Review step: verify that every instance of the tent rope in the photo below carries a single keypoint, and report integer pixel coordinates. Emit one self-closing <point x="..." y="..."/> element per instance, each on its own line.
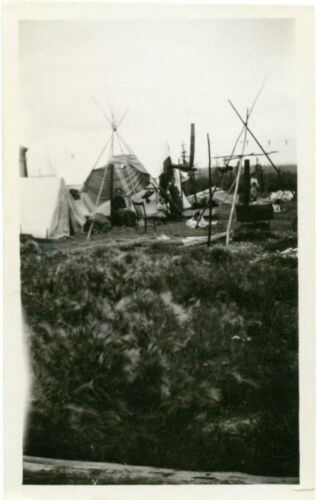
<point x="120" y="144"/>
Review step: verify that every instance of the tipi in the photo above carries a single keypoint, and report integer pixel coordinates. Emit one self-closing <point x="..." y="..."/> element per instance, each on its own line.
<point x="122" y="170"/>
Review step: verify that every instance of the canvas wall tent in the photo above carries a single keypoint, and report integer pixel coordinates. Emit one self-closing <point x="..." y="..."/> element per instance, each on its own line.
<point x="47" y="209"/>
<point x="121" y="171"/>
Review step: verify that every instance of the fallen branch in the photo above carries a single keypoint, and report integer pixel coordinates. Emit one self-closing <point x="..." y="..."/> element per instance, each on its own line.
<point x="200" y="240"/>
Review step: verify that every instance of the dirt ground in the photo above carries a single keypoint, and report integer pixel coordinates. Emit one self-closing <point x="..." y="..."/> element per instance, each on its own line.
<point x="283" y="222"/>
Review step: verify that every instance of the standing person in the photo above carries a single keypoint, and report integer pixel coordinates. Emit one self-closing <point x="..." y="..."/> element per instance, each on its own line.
<point x="254" y="192"/>
<point x="176" y="201"/>
<point x="163" y="183"/>
<point x="120" y="214"/>
<point x="165" y="177"/>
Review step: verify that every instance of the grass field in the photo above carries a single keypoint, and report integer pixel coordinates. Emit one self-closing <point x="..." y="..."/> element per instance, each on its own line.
<point x="164" y="355"/>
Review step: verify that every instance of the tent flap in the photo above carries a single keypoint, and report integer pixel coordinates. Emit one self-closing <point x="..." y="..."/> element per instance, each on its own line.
<point x="46" y="208"/>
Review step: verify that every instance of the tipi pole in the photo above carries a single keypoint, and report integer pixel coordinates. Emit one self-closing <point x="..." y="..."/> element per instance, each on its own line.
<point x="121" y="119"/>
<point x="112" y="145"/>
<point x="229" y="191"/>
<point x="129" y="149"/>
<point x="260" y="146"/>
<point x="236" y="186"/>
<point x="216" y="184"/>
<point x="210" y="192"/>
<point x="191" y="160"/>
<point x="120" y="140"/>
<point x="130" y="179"/>
<point x="111" y="187"/>
<point x="204" y="207"/>
<point x="243" y="128"/>
<point x="99" y="194"/>
<point x="102" y="111"/>
<point x="120" y="144"/>
<point x="101" y="153"/>
<point x="235" y="145"/>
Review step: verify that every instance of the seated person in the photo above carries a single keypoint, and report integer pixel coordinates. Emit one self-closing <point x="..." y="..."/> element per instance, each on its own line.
<point x="254" y="193"/>
<point x="120" y="214"/>
<point x="100" y="222"/>
<point x="161" y="209"/>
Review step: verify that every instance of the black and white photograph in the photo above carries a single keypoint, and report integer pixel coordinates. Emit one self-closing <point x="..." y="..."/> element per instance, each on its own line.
<point x="158" y="195"/>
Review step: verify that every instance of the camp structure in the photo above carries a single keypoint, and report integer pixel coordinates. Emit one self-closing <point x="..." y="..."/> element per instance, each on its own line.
<point x="23" y="161"/>
<point x="47" y="209"/>
<point x="169" y="172"/>
<point x="122" y="171"/>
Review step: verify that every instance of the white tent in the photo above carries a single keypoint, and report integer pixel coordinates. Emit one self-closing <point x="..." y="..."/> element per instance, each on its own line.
<point x="47" y="209"/>
<point x="281" y="195"/>
<point x="185" y="202"/>
<point x="219" y="196"/>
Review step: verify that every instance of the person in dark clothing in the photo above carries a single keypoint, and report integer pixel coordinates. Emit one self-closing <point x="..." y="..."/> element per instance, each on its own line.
<point x="176" y="201"/>
<point x="118" y="200"/>
<point x="120" y="214"/>
<point x="163" y="183"/>
<point x="165" y="178"/>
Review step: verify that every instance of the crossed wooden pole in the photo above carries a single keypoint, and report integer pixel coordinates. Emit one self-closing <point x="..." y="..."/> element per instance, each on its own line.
<point x="247" y="128"/>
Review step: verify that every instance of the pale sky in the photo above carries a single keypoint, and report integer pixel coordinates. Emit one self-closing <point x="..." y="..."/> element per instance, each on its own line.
<point x="169" y="74"/>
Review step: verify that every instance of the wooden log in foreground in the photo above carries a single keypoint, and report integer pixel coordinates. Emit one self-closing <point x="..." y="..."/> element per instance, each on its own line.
<point x="201" y="240"/>
<point x="38" y="470"/>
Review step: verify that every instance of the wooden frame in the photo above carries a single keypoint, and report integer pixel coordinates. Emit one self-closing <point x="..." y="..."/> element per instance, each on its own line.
<point x="141" y="213"/>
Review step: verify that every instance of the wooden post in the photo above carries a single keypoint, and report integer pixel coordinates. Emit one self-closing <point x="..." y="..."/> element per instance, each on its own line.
<point x="192" y="144"/>
<point x="191" y="161"/>
<point x="102" y="184"/>
<point x="111" y="187"/>
<point x="23" y="162"/>
<point x="210" y="192"/>
<point x="247" y="183"/>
